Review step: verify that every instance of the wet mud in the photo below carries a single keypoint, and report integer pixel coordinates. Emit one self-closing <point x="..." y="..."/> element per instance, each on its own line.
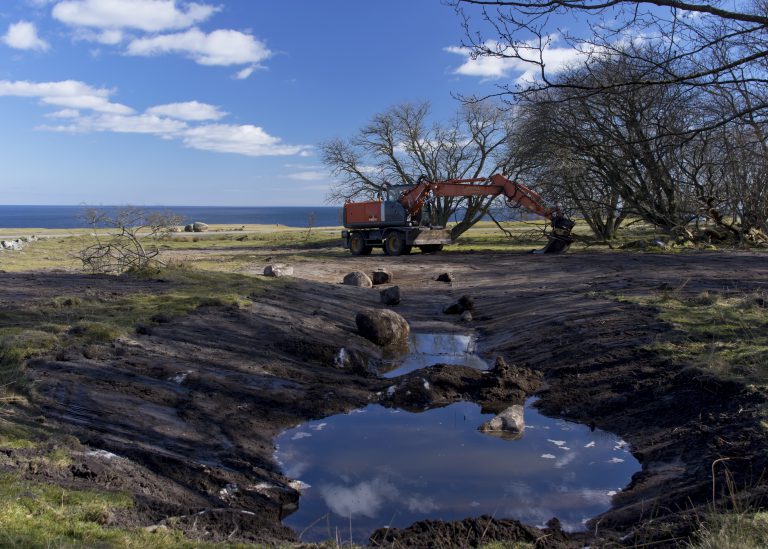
<point x="183" y="416"/>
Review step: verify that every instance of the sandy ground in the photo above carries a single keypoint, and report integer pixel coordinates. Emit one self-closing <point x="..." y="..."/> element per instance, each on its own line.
<point x="190" y="408"/>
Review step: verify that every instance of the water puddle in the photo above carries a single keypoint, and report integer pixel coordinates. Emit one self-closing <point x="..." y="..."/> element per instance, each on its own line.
<point x="429" y="349"/>
<point x="378" y="467"/>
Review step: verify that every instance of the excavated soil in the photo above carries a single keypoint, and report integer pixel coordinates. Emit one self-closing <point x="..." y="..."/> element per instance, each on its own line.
<point x="183" y="416"/>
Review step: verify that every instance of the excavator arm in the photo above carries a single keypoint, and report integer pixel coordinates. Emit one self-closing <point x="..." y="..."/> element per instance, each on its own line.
<point x="497" y="185"/>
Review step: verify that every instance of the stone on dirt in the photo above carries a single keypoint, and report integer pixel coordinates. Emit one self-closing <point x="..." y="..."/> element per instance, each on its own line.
<point x="446" y="277"/>
<point x="465" y="303"/>
<point x="381" y="276"/>
<point x="199" y="227"/>
<point x="509" y="423"/>
<point x="358" y="278"/>
<point x="390" y="296"/>
<point x="277" y="270"/>
<point x="382" y="327"/>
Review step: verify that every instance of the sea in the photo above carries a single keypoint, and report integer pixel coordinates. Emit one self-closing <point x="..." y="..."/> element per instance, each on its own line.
<point x="70" y="217"/>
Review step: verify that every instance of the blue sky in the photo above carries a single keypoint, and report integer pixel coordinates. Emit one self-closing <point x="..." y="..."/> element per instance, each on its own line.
<point x="211" y="102"/>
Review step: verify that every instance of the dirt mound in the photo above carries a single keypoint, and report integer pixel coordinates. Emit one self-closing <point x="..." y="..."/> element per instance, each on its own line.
<point x="474" y="533"/>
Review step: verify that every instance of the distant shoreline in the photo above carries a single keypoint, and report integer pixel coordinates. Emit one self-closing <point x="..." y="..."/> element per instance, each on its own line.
<point x="68" y="217"/>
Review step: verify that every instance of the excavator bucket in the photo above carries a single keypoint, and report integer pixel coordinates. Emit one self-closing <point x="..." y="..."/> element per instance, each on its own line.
<point x="556" y="245"/>
<point x="560" y="238"/>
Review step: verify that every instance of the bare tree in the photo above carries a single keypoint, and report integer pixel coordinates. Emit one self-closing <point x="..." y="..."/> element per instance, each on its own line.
<point x="402" y="144"/>
<point x="701" y="42"/>
<point x="127" y="244"/>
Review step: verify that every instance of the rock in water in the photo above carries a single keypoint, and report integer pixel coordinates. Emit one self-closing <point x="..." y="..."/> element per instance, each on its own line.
<point x="199" y="227"/>
<point x="508" y="424"/>
<point x="390" y="296"/>
<point x="358" y="278"/>
<point x="381" y="276"/>
<point x="383" y="327"/>
<point x="445" y="277"/>
<point x="277" y="270"/>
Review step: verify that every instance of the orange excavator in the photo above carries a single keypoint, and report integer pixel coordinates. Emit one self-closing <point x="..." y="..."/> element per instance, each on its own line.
<point x="401" y="220"/>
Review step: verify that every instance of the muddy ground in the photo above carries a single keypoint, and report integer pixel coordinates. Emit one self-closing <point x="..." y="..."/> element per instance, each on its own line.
<point x="186" y="412"/>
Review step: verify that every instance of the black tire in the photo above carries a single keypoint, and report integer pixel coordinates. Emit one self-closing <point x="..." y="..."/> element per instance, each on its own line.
<point x="431" y="248"/>
<point x="394" y="243"/>
<point x="357" y="245"/>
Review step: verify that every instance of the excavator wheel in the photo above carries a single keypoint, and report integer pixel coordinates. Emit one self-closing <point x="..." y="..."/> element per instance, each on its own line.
<point x="394" y="243"/>
<point x="357" y="245"/>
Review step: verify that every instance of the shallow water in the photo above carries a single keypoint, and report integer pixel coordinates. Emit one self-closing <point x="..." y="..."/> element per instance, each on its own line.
<point x="428" y="349"/>
<point x="378" y="467"/>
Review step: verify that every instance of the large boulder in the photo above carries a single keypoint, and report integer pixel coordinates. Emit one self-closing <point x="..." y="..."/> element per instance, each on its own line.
<point x="199" y="227"/>
<point x="188" y="228"/>
<point x="383" y="327"/>
<point x="358" y="278"/>
<point x="277" y="270"/>
<point x="508" y="424"/>
<point x="390" y="296"/>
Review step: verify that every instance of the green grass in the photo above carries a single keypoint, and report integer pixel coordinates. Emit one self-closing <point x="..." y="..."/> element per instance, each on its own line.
<point x="733" y="531"/>
<point x="34" y="515"/>
<point x="726" y="334"/>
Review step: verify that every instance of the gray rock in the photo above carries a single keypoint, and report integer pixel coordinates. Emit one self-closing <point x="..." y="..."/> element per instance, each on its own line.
<point x="381" y="276"/>
<point x="390" y="296"/>
<point x="446" y="277"/>
<point x="466" y="316"/>
<point x="508" y="424"/>
<point x="660" y="244"/>
<point x="199" y="227"/>
<point x="383" y="327"/>
<point x="277" y="270"/>
<point x="465" y="303"/>
<point x="358" y="278"/>
<point x="188" y="228"/>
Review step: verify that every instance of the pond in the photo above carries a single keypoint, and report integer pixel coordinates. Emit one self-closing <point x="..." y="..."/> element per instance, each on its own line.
<point x="426" y="349"/>
<point x="378" y="467"/>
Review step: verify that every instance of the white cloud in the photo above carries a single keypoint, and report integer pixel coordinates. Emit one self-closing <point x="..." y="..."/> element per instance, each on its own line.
<point x="310" y="175"/>
<point x="220" y="47"/>
<point x="142" y="123"/>
<point x="495" y="67"/>
<point x="169" y="121"/>
<point x="110" y="37"/>
<point x="244" y="139"/>
<point x="245" y="73"/>
<point x="67" y="93"/>
<point x="23" y="36"/>
<point x="189" y="110"/>
<point x="145" y="15"/>
<point x="64" y="113"/>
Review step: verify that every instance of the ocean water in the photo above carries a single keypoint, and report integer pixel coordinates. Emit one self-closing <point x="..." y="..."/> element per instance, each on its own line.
<point x="69" y="217"/>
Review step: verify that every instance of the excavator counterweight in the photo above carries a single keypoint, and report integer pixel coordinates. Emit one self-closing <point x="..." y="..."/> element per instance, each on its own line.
<point x="402" y="221"/>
